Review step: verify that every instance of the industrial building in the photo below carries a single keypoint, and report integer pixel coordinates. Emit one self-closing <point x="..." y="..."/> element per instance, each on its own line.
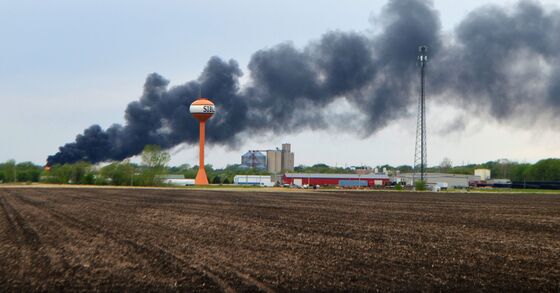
<point x="276" y="161"/>
<point x="254" y="160"/>
<point x="452" y="180"/>
<point x="253" y="180"/>
<point x="310" y="179"/>
<point x="483" y="173"/>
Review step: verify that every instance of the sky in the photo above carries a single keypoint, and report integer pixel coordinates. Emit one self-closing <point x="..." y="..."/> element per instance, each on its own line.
<point x="65" y="65"/>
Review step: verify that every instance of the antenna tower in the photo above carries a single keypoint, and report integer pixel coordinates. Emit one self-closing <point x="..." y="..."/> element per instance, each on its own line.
<point x="420" y="148"/>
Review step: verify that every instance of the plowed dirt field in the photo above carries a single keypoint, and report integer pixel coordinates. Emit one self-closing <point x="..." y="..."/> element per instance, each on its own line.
<point x="81" y="239"/>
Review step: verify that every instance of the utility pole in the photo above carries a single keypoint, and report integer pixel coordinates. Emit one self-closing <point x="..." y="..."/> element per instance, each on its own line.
<point x="420" y="152"/>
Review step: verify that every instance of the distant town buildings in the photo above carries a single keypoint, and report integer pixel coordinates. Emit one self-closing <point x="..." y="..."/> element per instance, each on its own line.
<point x="275" y="161"/>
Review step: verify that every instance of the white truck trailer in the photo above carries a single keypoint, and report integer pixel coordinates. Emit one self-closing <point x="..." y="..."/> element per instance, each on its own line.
<point x="253" y="180"/>
<point x="179" y="182"/>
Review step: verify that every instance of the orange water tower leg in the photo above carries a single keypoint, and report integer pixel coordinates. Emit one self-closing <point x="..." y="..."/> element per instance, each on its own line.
<point x="201" y="178"/>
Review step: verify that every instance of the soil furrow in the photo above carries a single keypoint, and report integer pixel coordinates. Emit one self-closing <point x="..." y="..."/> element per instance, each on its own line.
<point x="173" y="240"/>
<point x="212" y="269"/>
<point x="160" y="258"/>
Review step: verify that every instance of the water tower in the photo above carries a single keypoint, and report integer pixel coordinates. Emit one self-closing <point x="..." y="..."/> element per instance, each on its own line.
<point x="202" y="109"/>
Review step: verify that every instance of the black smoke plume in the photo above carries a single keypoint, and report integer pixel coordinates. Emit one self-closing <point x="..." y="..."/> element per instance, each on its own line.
<point x="500" y="62"/>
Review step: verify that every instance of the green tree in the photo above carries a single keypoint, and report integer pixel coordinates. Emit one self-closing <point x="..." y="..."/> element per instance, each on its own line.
<point x="77" y="173"/>
<point x="501" y="168"/>
<point x="420" y="185"/>
<point x="520" y="172"/>
<point x="61" y="174"/>
<point x="81" y="173"/>
<point x="544" y="170"/>
<point x="216" y="180"/>
<point x="118" y="173"/>
<point x="405" y="169"/>
<point x="322" y="168"/>
<point x="155" y="160"/>
<point x="190" y="173"/>
<point x="28" y="172"/>
<point x="445" y="165"/>
<point x="10" y="171"/>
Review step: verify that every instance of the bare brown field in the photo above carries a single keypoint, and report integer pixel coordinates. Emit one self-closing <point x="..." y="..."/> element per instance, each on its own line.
<point x="65" y="239"/>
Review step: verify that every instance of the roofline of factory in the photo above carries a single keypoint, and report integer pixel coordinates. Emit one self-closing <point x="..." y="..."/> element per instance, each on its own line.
<point x="450" y="175"/>
<point x="336" y="176"/>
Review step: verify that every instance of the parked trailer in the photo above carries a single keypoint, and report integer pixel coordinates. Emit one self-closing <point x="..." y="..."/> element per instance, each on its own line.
<point x="443" y="185"/>
<point x="179" y="182"/>
<point x="253" y="180"/>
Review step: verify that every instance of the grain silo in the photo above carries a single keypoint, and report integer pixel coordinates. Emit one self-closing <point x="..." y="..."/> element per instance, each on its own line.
<point x="254" y="160"/>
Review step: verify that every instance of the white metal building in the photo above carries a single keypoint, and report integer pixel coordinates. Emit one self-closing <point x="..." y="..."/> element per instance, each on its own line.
<point x="255" y="180"/>
<point x="452" y="180"/>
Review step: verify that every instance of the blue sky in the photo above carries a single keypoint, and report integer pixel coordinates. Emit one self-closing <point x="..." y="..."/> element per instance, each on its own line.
<point x="65" y="65"/>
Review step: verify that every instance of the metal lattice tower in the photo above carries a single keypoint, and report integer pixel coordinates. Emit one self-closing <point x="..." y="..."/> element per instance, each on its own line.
<point x="420" y="147"/>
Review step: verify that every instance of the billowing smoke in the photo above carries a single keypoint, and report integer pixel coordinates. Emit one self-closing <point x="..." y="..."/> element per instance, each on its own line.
<point x="504" y="62"/>
<point x="500" y="62"/>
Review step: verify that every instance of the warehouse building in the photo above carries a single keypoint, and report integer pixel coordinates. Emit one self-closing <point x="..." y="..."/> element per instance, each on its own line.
<point x="452" y="180"/>
<point x="309" y="179"/>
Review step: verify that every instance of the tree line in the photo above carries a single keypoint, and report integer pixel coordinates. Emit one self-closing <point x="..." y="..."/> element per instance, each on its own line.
<point x="543" y="170"/>
<point x="154" y="164"/>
